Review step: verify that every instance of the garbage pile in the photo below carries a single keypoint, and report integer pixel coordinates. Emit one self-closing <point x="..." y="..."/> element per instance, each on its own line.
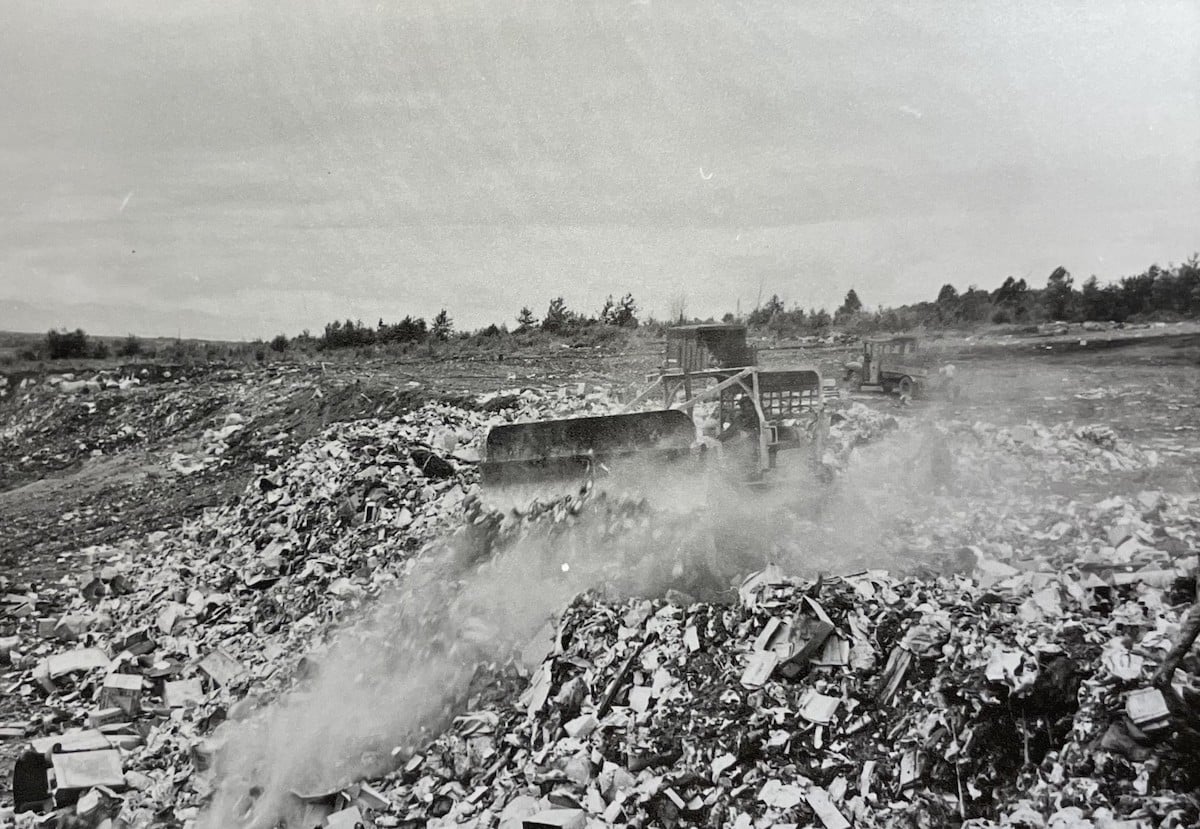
<point x="521" y="404"/>
<point x="56" y="423"/>
<point x="853" y="424"/>
<point x="150" y="457"/>
<point x="236" y="588"/>
<point x="1011" y="683"/>
<point x="311" y="539"/>
<point x="1094" y="446"/>
<point x="57" y="430"/>
<point x="866" y="700"/>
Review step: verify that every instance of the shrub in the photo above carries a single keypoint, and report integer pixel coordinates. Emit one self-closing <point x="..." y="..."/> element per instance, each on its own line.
<point x="593" y="335"/>
<point x="557" y="316"/>
<point x="131" y="347"/>
<point x="65" y="345"/>
<point x="280" y="343"/>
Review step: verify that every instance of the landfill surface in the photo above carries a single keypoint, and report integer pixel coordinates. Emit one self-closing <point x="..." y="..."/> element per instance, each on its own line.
<point x="960" y="622"/>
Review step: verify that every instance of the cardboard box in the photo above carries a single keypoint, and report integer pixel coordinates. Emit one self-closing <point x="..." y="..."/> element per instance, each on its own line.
<point x="818" y="708"/>
<point x="808" y="640"/>
<point x="122" y="691"/>
<point x="70" y="627"/>
<point x="759" y="669"/>
<point x="82" y="770"/>
<point x="221" y="668"/>
<point x="1148" y="709"/>
<point x="775" y="636"/>
<point x="137" y="643"/>
<point x="105" y="716"/>
<point x="183" y="694"/>
<point x="80" y="659"/>
<point x="89" y="740"/>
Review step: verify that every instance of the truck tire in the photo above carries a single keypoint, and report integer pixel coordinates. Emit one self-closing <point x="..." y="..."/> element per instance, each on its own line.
<point x="854" y="381"/>
<point x="906" y="386"/>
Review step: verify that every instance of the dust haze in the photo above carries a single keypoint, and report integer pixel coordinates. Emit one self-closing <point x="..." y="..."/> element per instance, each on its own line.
<point x="394" y="678"/>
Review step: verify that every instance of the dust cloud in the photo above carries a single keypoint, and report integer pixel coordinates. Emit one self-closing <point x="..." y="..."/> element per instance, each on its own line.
<point x="394" y="678"/>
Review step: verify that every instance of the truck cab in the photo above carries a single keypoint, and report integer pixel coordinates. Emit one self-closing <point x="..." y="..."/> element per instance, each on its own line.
<point x="890" y="363"/>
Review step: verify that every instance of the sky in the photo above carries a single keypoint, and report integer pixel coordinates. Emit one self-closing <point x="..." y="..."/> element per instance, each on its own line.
<point x="238" y="169"/>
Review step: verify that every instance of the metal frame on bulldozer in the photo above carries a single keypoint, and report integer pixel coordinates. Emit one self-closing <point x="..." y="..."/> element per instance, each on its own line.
<point x="673" y="382"/>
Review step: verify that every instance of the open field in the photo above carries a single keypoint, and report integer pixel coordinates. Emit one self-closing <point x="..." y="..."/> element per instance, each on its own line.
<point x="164" y="481"/>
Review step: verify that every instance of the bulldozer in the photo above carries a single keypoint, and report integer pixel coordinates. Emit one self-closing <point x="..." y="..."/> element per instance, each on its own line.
<point x="708" y="373"/>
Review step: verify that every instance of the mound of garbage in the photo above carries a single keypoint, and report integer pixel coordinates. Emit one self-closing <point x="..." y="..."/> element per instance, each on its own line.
<point x="55" y="421"/>
<point x="864" y="700"/>
<point x="1093" y="446"/>
<point x="359" y="640"/>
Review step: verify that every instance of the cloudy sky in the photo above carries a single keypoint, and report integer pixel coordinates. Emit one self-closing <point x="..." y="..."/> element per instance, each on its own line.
<point x="236" y="169"/>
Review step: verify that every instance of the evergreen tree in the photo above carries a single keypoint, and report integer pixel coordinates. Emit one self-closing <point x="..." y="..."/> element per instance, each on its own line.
<point x="526" y="320"/>
<point x="443" y="326"/>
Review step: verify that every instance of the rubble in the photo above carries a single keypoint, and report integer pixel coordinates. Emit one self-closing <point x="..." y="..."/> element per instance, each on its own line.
<point x="1006" y="678"/>
<point x="943" y="746"/>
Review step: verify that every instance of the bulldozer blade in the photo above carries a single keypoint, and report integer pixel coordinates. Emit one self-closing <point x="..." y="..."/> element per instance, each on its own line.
<point x="568" y="452"/>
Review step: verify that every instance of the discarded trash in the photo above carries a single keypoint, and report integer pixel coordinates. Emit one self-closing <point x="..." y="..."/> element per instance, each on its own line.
<point x="80" y="770"/>
<point x="977" y="679"/>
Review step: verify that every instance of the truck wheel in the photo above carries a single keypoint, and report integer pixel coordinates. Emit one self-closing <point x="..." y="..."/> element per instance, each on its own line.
<point x="854" y="381"/>
<point x="906" y="386"/>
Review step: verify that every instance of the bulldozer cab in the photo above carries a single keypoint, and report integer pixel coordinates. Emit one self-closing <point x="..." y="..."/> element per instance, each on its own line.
<point x="693" y="348"/>
<point x="788" y="402"/>
<point x="781" y="394"/>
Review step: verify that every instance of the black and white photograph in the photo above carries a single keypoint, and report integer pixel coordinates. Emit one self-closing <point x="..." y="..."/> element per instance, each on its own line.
<point x="519" y="414"/>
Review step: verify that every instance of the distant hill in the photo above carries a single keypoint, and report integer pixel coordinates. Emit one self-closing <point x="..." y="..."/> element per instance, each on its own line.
<point x="119" y="320"/>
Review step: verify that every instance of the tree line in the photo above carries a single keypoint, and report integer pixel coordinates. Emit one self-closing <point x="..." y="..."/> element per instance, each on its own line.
<point x="558" y="319"/>
<point x="1155" y="293"/>
<point x="352" y="334"/>
<point x="68" y="345"/>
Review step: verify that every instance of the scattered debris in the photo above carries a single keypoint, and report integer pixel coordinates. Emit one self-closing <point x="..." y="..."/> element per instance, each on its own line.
<point x="1007" y="678"/>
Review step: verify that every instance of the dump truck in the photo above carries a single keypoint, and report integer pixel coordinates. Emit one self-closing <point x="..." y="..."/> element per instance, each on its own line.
<point x="700" y="387"/>
<point x="889" y="363"/>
